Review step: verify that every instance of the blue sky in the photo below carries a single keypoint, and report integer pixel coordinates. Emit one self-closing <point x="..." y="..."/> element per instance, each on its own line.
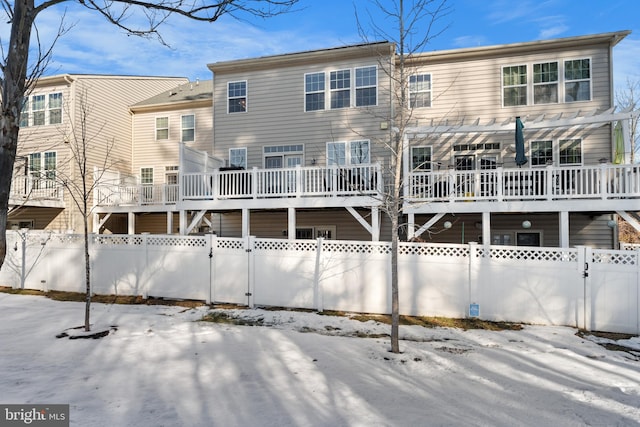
<point x="94" y="46"/>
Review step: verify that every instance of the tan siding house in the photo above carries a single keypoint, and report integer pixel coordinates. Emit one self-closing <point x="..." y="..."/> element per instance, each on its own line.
<point x="52" y="119"/>
<point x="297" y="146"/>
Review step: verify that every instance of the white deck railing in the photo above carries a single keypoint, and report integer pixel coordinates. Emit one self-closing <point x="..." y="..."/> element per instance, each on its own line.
<point x="353" y="180"/>
<point x="547" y="183"/>
<point x="29" y="188"/>
<point x="141" y="194"/>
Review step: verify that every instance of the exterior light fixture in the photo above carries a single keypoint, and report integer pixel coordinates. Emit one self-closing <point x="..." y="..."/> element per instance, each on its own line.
<point x="526" y="224"/>
<point x="447" y="224"/>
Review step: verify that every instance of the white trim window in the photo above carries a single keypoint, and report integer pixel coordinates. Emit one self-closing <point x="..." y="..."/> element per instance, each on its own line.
<point x="545" y="83"/>
<point x="38" y="110"/>
<point x="188" y="128"/>
<point x="514" y="85"/>
<point x="570" y="152"/>
<point x="55" y="108"/>
<point x="366" y="86"/>
<point x="41" y="110"/>
<point x="162" y="128"/>
<point x="577" y="80"/>
<point x="420" y="91"/>
<point x="238" y="157"/>
<point x="357" y="153"/>
<point x="146" y="176"/>
<point x="340" y="88"/>
<point x="541" y="153"/>
<point x="421" y="158"/>
<point x="237" y="97"/>
<point x="42" y="169"/>
<point x="283" y="156"/>
<point x="314" y="91"/>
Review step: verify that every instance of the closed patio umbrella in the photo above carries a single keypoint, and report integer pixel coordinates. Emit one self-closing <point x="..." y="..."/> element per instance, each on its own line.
<point x="521" y="159"/>
<point x="618" y="140"/>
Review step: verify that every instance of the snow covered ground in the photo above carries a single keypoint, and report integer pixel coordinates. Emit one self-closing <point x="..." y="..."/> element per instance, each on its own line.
<point x="163" y="367"/>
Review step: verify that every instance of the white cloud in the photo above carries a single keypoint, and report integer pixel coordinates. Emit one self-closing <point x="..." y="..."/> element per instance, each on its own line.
<point x="626" y="62"/>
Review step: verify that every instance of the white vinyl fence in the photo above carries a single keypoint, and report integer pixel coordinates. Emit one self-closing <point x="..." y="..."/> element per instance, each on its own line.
<point x="582" y="287"/>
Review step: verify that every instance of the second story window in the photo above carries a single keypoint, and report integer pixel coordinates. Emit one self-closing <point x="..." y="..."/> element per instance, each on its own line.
<point x="42" y="169"/>
<point x="188" y="128"/>
<point x="420" y="158"/>
<point x="420" y="91"/>
<point x="314" y="91"/>
<point x="40" y="110"/>
<point x="366" y="86"/>
<point x="340" y="85"/>
<point x="55" y="108"/>
<point x="514" y="85"/>
<point x="37" y="109"/>
<point x="162" y="128"/>
<point x="541" y="153"/>
<point x="237" y="97"/>
<point x="577" y="80"/>
<point x="238" y="157"/>
<point x="545" y="83"/>
<point x="570" y="152"/>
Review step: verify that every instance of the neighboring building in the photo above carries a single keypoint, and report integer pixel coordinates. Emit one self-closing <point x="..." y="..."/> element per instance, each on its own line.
<point x="296" y="146"/>
<point x="179" y="115"/>
<point x="51" y="118"/>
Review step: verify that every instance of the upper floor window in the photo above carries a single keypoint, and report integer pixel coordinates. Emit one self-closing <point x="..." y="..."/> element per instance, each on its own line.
<point x="238" y="157"/>
<point x="420" y="91"/>
<point x="570" y="152"/>
<point x="514" y="85"/>
<point x="366" y="86"/>
<point x="348" y="153"/>
<point x="42" y="169"/>
<point x="314" y="92"/>
<point x="340" y="84"/>
<point x="188" y="128"/>
<point x="541" y="153"/>
<point x="146" y="176"/>
<point x="40" y="110"/>
<point x="37" y="109"/>
<point x="577" y="80"/>
<point x="237" y="97"/>
<point x="55" y="108"/>
<point x="347" y="88"/>
<point x="545" y="83"/>
<point x="162" y="128"/>
<point x="281" y="156"/>
<point x="421" y="158"/>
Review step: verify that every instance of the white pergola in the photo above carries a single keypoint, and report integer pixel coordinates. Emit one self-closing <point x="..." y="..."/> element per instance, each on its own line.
<point x="559" y="121"/>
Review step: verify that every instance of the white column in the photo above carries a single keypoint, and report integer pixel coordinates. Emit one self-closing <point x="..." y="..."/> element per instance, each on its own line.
<point x="411" y="225"/>
<point x="375" y="224"/>
<point x="246" y="217"/>
<point x="486" y="228"/>
<point x="131" y="221"/>
<point x="291" y="227"/>
<point x="169" y="222"/>
<point x="563" y="229"/>
<point x="183" y="222"/>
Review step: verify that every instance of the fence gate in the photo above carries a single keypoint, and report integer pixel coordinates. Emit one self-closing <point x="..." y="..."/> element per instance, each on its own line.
<point x="231" y="270"/>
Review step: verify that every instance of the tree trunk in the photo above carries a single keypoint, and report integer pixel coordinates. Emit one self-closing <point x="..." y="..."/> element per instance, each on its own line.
<point x="13" y="89"/>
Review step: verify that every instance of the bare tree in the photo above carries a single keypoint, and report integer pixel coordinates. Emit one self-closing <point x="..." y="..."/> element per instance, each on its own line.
<point x="416" y="24"/>
<point x="18" y="73"/>
<point x="80" y="178"/>
<point x="628" y="98"/>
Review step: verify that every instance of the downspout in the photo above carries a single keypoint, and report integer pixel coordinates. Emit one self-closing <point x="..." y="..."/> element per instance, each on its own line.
<point x="72" y="119"/>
